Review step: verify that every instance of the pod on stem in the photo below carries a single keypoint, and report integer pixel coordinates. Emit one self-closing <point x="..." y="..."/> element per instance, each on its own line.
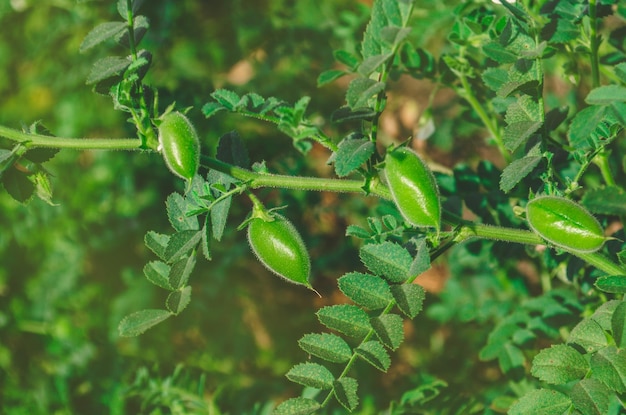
<point x="179" y="145"/>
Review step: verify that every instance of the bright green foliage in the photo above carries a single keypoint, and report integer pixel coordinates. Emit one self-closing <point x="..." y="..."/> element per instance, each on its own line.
<point x="559" y="364"/>
<point x="326" y="346"/>
<point x="297" y="406"/>
<point x="387" y="260"/>
<point x="366" y="290"/>
<point x="180" y="145"/>
<point x="311" y="374"/>
<point x="541" y="402"/>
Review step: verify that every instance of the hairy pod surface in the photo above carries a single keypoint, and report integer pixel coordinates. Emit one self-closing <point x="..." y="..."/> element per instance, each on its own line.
<point x="413" y="188"/>
<point x="279" y="247"/>
<point x="179" y="145"/>
<point x="565" y="224"/>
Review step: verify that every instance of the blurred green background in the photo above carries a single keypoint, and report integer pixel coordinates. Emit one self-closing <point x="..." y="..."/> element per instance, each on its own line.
<point x="70" y="272"/>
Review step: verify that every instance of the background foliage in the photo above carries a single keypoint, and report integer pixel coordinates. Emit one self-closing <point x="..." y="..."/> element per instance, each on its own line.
<point x="71" y="271"/>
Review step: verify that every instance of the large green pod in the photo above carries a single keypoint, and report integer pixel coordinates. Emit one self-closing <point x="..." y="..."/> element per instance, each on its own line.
<point x="279" y="247"/>
<point x="565" y="224"/>
<point x="179" y="144"/>
<point x="413" y="188"/>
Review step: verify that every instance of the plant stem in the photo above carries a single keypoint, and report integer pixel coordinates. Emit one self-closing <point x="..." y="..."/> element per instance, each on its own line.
<point x="38" y="140"/>
<point x="594" y="44"/>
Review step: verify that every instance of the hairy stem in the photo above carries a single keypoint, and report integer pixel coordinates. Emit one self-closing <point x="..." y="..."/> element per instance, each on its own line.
<point x="38" y="140"/>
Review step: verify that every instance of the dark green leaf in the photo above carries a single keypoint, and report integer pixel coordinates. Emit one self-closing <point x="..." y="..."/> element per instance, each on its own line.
<point x="366" y="290"/>
<point x="347" y="114"/>
<point x="374" y="353"/>
<point x="357" y="232"/>
<point x="388" y="260"/>
<point x="603" y="314"/>
<point x="297" y="406"/>
<point x="211" y="108"/>
<point x="177" y="214"/>
<point x="345" y="318"/>
<point x="607" y="94"/>
<point x="510" y="358"/>
<point x="313" y="375"/>
<point x="609" y="367"/>
<point x="495" y="78"/>
<point x="589" y="335"/>
<point x="101" y="33"/>
<point x="541" y="402"/>
<point x="327" y="346"/>
<point x="524" y="119"/>
<point x="136" y="323"/>
<point x="106" y="68"/>
<point x="618" y="324"/>
<point x="180" y="244"/>
<point x="559" y="364"/>
<point x="180" y="271"/>
<point x="345" y="389"/>
<point x="421" y="262"/>
<point x="610" y="200"/>
<point x="229" y="99"/>
<point x="157" y="273"/>
<point x="584" y="124"/>
<point x="206" y="238"/>
<point x="122" y="7"/>
<point x="351" y="154"/>
<point x="590" y="396"/>
<point x="178" y="300"/>
<point x="409" y="298"/>
<point x="347" y="58"/>
<point x="389" y="329"/>
<point x="17" y="185"/>
<point x="329" y="76"/>
<point x="372" y="63"/>
<point x="232" y="150"/>
<point x="517" y="170"/>
<point x="360" y="90"/>
<point x="157" y="243"/>
<point x="499" y="53"/>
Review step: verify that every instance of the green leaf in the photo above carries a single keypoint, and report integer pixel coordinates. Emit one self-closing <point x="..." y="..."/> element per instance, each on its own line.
<point x="388" y="260"/>
<point x="17" y="185"/>
<point x="499" y="53"/>
<point x="495" y="78"/>
<point x="180" y="271"/>
<point x="329" y="76"/>
<point x="510" y="358"/>
<point x="589" y="335"/>
<point x="313" y="375"/>
<point x="347" y="58"/>
<point x="357" y="232"/>
<point x="559" y="364"/>
<point x="610" y="200"/>
<point x="327" y="346"/>
<point x="138" y="322"/>
<point x="180" y="244"/>
<point x="347" y="114"/>
<point x="157" y="273"/>
<point x="345" y="318"/>
<point x="177" y="214"/>
<point x="394" y="35"/>
<point x="211" y="108"/>
<point x="618" y="324"/>
<point x="229" y="99"/>
<point x="366" y="290"/>
<point x="178" y="300"/>
<point x="106" y="68"/>
<point x="297" y="406"/>
<point x="409" y="298"/>
<point x="418" y="59"/>
<point x="360" y="90"/>
<point x="374" y="353"/>
<point x="157" y="243"/>
<point x="389" y="329"/>
<point x="607" y="94"/>
<point x="141" y="24"/>
<point x="232" y="150"/>
<point x="517" y="170"/>
<point x="584" y="124"/>
<point x="541" y="402"/>
<point x="421" y="262"/>
<point x="345" y="389"/>
<point x="524" y="119"/>
<point x="206" y="238"/>
<point x="101" y="33"/>
<point x="603" y="314"/>
<point x="609" y="367"/>
<point x="122" y="7"/>
<point x="612" y="284"/>
<point x="590" y="396"/>
<point x="372" y="63"/>
<point x="351" y="154"/>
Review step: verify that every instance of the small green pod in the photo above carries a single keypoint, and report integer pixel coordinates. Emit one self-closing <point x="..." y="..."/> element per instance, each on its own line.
<point x="179" y="145"/>
<point x="413" y="188"/>
<point x="565" y="224"/>
<point x="279" y="247"/>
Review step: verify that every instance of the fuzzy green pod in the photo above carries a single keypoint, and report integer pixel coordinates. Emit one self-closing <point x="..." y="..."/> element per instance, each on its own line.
<point x="413" y="188"/>
<point x="565" y="224"/>
<point x="279" y="247"/>
<point x="179" y="145"/>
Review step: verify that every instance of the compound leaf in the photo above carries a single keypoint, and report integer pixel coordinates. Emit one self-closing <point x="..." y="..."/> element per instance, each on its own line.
<point x="345" y="318"/>
<point x="366" y="290"/>
<point x="313" y="375"/>
<point x="327" y="346"/>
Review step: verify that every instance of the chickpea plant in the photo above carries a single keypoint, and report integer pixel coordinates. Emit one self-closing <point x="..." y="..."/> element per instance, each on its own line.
<point x="497" y="62"/>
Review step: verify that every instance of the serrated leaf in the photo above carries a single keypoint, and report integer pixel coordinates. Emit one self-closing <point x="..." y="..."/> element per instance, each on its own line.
<point x="211" y="108"/>
<point x="310" y="374"/>
<point x="500" y="54"/>
<point x="329" y="76"/>
<point x="177" y="214"/>
<point x="372" y="63"/>
<point x="510" y="358"/>
<point x="559" y="364"/>
<point x="345" y="390"/>
<point x="606" y="94"/>
<point x="584" y="124"/>
<point x="409" y="298"/>
<point x="122" y="7"/>
<point x="360" y="90"/>
<point x="347" y="114"/>
<point x="297" y="406"/>
<point x="180" y="244"/>
<point x="157" y="273"/>
<point x="603" y="314"/>
<point x="612" y="284"/>
<point x="106" y="68"/>
<point x="366" y="290"/>
<point x="180" y="271"/>
<point x="17" y="185"/>
<point x="206" y="238"/>
<point x="495" y="78"/>
<point x="618" y="324"/>
<point x="345" y="318"/>
<point x="609" y="367"/>
<point x="389" y="329"/>
<point x="516" y="171"/>
<point x="347" y="58"/>
<point x="610" y="200"/>
<point x="352" y="153"/>
<point x="157" y="243"/>
<point x="178" y="300"/>
<point x="541" y="402"/>
<point x="524" y="118"/>
<point x="374" y="353"/>
<point x="388" y="260"/>
<point x="138" y="322"/>
<point x="357" y="232"/>
<point x="327" y="346"/>
<point x="589" y="335"/>
<point x="141" y="24"/>
<point x="421" y="261"/>
<point x="229" y="99"/>
<point x="101" y="33"/>
<point x="591" y="397"/>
